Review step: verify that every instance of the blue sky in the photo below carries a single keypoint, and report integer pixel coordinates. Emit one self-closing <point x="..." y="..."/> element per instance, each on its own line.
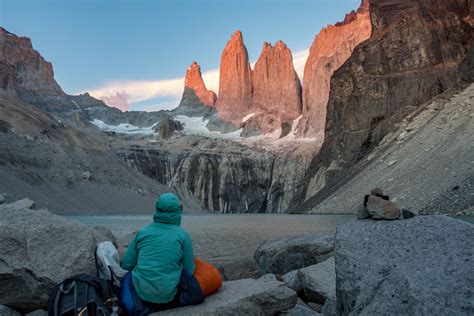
<point x="141" y="49"/>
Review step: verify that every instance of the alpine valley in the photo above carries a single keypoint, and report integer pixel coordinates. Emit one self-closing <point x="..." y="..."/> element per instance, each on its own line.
<point x="386" y="100"/>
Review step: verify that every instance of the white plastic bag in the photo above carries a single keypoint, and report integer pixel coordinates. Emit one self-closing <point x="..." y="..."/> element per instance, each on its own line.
<point x="108" y="266"/>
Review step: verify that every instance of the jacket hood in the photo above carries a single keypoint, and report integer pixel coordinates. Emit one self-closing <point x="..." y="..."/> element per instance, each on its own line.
<point x="168" y="210"/>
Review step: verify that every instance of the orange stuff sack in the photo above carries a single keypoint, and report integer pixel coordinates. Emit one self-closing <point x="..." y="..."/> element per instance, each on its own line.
<point x="208" y="276"/>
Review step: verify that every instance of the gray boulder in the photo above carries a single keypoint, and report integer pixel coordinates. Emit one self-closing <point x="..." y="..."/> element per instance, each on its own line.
<point x="289" y="253"/>
<point x="6" y="311"/>
<point x="243" y="297"/>
<point x="2" y="198"/>
<point x="419" y="266"/>
<point x="319" y="281"/>
<point x="38" y="250"/>
<point x="21" y="204"/>
<point x="292" y="280"/>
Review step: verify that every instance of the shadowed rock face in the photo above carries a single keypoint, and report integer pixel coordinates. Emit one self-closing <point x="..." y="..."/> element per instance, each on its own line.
<point x="193" y="80"/>
<point x="413" y="55"/>
<point x="23" y="69"/>
<point x="235" y="80"/>
<point x="276" y="86"/>
<point x="330" y="49"/>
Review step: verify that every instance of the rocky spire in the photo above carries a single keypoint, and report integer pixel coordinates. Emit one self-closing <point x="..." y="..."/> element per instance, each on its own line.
<point x="330" y="49"/>
<point x="235" y="82"/>
<point x="276" y="86"/>
<point x="194" y="82"/>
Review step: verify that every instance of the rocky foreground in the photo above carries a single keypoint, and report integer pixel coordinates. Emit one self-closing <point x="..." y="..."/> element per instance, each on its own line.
<point x="422" y="265"/>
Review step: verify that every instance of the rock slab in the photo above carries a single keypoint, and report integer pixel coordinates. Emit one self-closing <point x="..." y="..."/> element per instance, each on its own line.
<point x="288" y="253"/>
<point x="319" y="281"/>
<point x="423" y="265"/>
<point x="243" y="297"/>
<point x="38" y="250"/>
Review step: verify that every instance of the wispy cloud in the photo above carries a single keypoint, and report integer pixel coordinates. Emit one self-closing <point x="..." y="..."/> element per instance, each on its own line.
<point x="122" y="94"/>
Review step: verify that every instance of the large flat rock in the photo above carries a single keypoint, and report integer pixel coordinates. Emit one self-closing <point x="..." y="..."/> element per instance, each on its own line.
<point x="38" y="250"/>
<point x="243" y="297"/>
<point x="418" y="266"/>
<point x="284" y="254"/>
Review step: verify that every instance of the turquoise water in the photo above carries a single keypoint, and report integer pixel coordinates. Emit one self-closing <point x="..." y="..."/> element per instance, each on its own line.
<point x="223" y="239"/>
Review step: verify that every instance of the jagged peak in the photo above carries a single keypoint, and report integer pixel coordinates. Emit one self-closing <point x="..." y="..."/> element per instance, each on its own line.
<point x="237" y="36"/>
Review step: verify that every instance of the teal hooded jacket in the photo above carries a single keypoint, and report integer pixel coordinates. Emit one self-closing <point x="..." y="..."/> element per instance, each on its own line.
<point x="159" y="252"/>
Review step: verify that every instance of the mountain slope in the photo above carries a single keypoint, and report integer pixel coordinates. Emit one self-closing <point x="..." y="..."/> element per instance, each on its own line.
<point x="63" y="169"/>
<point x="426" y="165"/>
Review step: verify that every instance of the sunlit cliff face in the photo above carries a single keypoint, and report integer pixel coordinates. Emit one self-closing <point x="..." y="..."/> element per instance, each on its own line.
<point x="330" y="49"/>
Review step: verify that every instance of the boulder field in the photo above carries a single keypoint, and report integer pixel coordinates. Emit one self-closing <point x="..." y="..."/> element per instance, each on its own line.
<point x="420" y="265"/>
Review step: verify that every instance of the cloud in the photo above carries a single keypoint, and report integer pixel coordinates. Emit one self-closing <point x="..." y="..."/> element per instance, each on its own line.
<point x="299" y="60"/>
<point x="122" y="94"/>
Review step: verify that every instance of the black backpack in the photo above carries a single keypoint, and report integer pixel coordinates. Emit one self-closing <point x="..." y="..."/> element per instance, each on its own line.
<point x="84" y="295"/>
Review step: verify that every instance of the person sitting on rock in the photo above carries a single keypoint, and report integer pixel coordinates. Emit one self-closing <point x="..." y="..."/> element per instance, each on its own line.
<point x="161" y="265"/>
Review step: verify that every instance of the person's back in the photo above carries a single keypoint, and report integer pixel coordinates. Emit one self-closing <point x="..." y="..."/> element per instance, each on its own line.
<point x="159" y="252"/>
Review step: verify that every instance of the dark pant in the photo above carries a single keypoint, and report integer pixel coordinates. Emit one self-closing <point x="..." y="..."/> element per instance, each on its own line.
<point x="189" y="293"/>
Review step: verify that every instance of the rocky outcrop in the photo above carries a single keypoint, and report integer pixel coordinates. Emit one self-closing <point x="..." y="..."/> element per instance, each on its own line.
<point x="235" y="81"/>
<point x="243" y="297"/>
<point x="282" y="255"/>
<point x="405" y="267"/>
<point x="35" y="255"/>
<point x="223" y="175"/>
<point x="24" y="70"/>
<point x="331" y="48"/>
<point x="412" y="55"/>
<point x="276" y="86"/>
<point x="167" y="127"/>
<point x="193" y="81"/>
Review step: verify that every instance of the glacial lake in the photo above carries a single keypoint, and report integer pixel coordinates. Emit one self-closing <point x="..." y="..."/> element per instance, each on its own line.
<point x="223" y="239"/>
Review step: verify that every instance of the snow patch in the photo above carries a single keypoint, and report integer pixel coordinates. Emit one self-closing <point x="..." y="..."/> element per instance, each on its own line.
<point x="198" y="126"/>
<point x="124" y="128"/>
<point x="247" y="117"/>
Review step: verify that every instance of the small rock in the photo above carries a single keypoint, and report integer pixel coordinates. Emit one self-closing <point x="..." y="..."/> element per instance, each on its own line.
<point x="2" y="198"/>
<point x="362" y="212"/>
<point x="379" y="208"/>
<point x="319" y="281"/>
<point x="391" y="163"/>
<point x="376" y="191"/>
<point x="293" y="281"/>
<point x="407" y="213"/>
<point x="87" y="175"/>
<point x="22" y="204"/>
<point x="403" y="136"/>
<point x="6" y="311"/>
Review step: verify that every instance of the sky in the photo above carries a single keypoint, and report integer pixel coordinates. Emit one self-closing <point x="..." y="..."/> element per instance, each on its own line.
<point x="135" y="53"/>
